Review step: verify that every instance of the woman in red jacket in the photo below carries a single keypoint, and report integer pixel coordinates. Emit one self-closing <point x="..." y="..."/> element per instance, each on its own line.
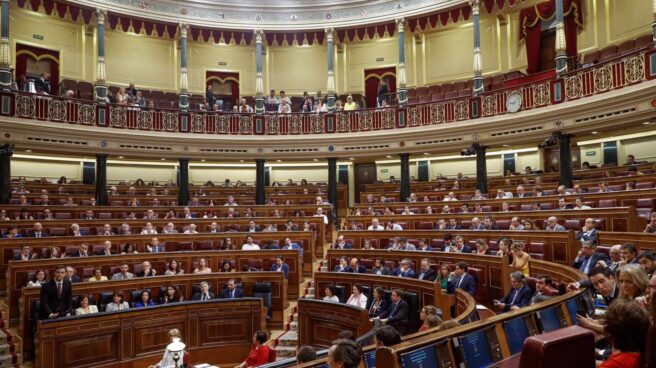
<point x="260" y="352"/>
<point x="626" y="324"/>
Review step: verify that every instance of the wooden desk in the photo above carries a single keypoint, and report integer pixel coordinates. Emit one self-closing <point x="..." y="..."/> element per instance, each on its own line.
<point x="138" y="337"/>
<point x="320" y="322"/>
<point x="184" y="282"/>
<point x="18" y="272"/>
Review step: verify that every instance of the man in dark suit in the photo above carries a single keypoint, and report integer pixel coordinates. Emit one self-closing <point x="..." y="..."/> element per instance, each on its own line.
<point x="342" y="244"/>
<point x="280" y="266"/>
<point x="83" y="251"/>
<point x="521" y="193"/>
<point x="541" y="286"/>
<point x="209" y="95"/>
<point x="204" y="293"/>
<point x="519" y="296"/>
<point x="425" y="271"/>
<point x="71" y="276"/>
<point x="56" y="296"/>
<point x="588" y="257"/>
<point x="25" y="254"/>
<point x="380" y="268"/>
<point x="43" y="83"/>
<point x="231" y="291"/>
<point x="106" y="250"/>
<point x="398" y="311"/>
<point x="453" y="225"/>
<point x="37" y="231"/>
<point x="462" y="280"/>
<point x="405" y="270"/>
<point x="253" y="227"/>
<point x="603" y="281"/>
<point x="588" y="232"/>
<point x="357" y="267"/>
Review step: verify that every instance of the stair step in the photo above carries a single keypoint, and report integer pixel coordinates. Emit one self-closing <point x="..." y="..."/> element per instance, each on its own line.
<point x="283" y="352"/>
<point x="6" y="360"/>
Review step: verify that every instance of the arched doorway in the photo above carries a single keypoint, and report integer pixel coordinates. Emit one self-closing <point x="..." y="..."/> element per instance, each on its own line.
<point x="225" y="86"/>
<point x="32" y="61"/>
<point x="371" y="79"/>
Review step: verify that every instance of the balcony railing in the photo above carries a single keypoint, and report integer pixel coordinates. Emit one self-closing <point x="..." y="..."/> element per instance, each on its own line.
<point x="614" y="74"/>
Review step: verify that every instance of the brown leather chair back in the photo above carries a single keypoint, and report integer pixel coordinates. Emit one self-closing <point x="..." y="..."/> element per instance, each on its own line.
<point x="548" y="349"/>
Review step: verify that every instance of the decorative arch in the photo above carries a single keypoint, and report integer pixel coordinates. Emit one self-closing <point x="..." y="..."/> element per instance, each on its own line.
<point x="38" y="54"/>
<point x="371" y="80"/>
<point x="222" y="78"/>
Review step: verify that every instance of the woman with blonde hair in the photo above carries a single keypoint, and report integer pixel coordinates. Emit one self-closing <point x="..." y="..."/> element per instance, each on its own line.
<point x="632" y="281"/>
<point x="520" y="258"/>
<point x="167" y="360"/>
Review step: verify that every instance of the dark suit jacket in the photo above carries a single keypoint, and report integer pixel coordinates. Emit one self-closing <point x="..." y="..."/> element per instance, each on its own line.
<point x="589" y="236"/>
<point x="43" y="235"/>
<point x="430" y="275"/>
<point x="521" y="300"/>
<point x="384" y="271"/>
<point x="398" y="315"/>
<point x="596" y="257"/>
<point x="409" y="273"/>
<point x="18" y="257"/>
<point x="76" y="279"/>
<point x="225" y="293"/>
<point x="102" y="253"/>
<point x="466" y="249"/>
<point x="346" y="269"/>
<point x="143" y="274"/>
<point x="50" y="303"/>
<point x="468" y="284"/>
<point x="379" y="310"/>
<point x="347" y="245"/>
<point x="198" y="295"/>
<point x="361" y="269"/>
<point x="44" y="85"/>
<point x="285" y="268"/>
<point x="77" y="254"/>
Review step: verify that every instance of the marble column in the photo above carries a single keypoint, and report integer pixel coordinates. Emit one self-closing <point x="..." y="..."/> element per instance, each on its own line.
<point x="5" y="49"/>
<point x="184" y="82"/>
<point x="101" y="180"/>
<point x="332" y="188"/>
<point x="481" y="167"/>
<point x="6" y="151"/>
<point x="183" y="182"/>
<point x="100" y="86"/>
<point x="561" y="43"/>
<point x="259" y="182"/>
<point x="478" y="62"/>
<point x="564" y="142"/>
<point x="330" y="103"/>
<point x="404" y="194"/>
<point x="259" y="81"/>
<point x="402" y="80"/>
<point x="653" y="23"/>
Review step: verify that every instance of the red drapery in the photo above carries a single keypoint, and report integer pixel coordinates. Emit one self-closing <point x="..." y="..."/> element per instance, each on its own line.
<point x="25" y="52"/>
<point x="371" y="80"/>
<point x="530" y="28"/>
<point x="224" y="77"/>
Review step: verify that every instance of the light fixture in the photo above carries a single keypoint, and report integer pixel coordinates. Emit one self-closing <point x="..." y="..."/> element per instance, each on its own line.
<point x="595" y="132"/>
<point x="316" y="159"/>
<point x="28" y="150"/>
<point x="352" y="158"/>
<point x="163" y="159"/>
<point x="241" y="160"/>
<point x="388" y="156"/>
<point x="176" y="349"/>
<point x="120" y="156"/>
<point x="202" y="160"/>
<point x="646" y="123"/>
<point x="505" y="145"/>
<point x="278" y="160"/>
<point x="426" y="153"/>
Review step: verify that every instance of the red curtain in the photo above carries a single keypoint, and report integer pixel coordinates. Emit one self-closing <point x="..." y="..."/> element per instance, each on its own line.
<point x="531" y="30"/>
<point x="372" y="79"/>
<point x="25" y="52"/>
<point x="224" y="77"/>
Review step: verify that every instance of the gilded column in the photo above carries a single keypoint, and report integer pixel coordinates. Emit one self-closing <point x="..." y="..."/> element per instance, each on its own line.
<point x="561" y="43"/>
<point x="405" y="191"/>
<point x="478" y="62"/>
<point x="6" y="151"/>
<point x="481" y="167"/>
<point x="101" y="179"/>
<point x="100" y="87"/>
<point x="5" y="50"/>
<point x="330" y="104"/>
<point x="184" y="81"/>
<point x="259" y="82"/>
<point x="402" y="80"/>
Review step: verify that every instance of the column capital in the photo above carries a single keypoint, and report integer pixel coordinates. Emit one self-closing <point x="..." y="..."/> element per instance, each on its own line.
<point x="6" y="149"/>
<point x="400" y="24"/>
<point x="259" y="35"/>
<point x="101" y="14"/>
<point x="330" y="34"/>
<point x="101" y="156"/>
<point x="476" y="6"/>
<point x="184" y="29"/>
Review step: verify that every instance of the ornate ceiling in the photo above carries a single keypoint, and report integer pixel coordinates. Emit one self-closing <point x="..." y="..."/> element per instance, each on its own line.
<point x="273" y="14"/>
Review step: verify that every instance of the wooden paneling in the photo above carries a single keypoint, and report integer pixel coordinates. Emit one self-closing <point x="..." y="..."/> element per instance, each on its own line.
<point x="138" y="337"/>
<point x="320" y="322"/>
<point x="184" y="283"/>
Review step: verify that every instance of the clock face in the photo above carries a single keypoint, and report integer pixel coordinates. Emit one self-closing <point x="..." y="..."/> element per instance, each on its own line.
<point x="514" y="101"/>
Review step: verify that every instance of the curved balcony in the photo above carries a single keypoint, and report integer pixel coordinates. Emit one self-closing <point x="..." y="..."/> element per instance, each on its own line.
<point x="611" y="85"/>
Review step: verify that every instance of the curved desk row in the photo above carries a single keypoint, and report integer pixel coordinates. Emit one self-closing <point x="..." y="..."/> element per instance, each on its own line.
<point x="185" y="284"/>
<point x="138" y="337"/>
<point x="19" y="272"/>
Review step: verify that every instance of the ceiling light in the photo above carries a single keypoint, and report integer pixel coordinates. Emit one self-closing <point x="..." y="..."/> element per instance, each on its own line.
<point x="352" y="158"/>
<point x="163" y="159"/>
<point x="202" y="160"/>
<point x="595" y="132"/>
<point x="505" y="145"/>
<point x="388" y="156"/>
<point x="28" y="150"/>
<point x="120" y="156"/>
<point x="426" y="153"/>
<point x="278" y="160"/>
<point x="316" y="159"/>
<point x="241" y="160"/>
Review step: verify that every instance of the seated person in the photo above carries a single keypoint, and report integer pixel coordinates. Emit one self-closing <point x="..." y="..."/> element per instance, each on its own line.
<point x="460" y="279"/>
<point x="260" y="352"/>
<point x="280" y="266"/>
<point x="250" y="245"/>
<point x="123" y="274"/>
<point x="588" y="232"/>
<point x="343" y="266"/>
<point x="404" y="270"/>
<point x="155" y="246"/>
<point x="305" y="354"/>
<point x="145" y="300"/>
<point x="588" y="257"/>
<point x="379" y="304"/>
<point x="25" y="254"/>
<point x="167" y="359"/>
<point x="148" y="270"/>
<point x="203" y="267"/>
<point x="356" y="266"/>
<point x="204" y="293"/>
<point x="429" y="317"/>
<point x="231" y="291"/>
<point x="627" y="325"/>
<point x="380" y="268"/>
<point x="519" y="296"/>
<point x="117" y="303"/>
<point x="357" y="298"/>
<point x="386" y="336"/>
<point x="172" y="295"/>
<point x="541" y="286"/>
<point x="425" y="271"/>
<point x="340" y="243"/>
<point x="97" y="275"/>
<point x="85" y="308"/>
<point x="398" y="311"/>
<point x="330" y="295"/>
<point x="38" y="279"/>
